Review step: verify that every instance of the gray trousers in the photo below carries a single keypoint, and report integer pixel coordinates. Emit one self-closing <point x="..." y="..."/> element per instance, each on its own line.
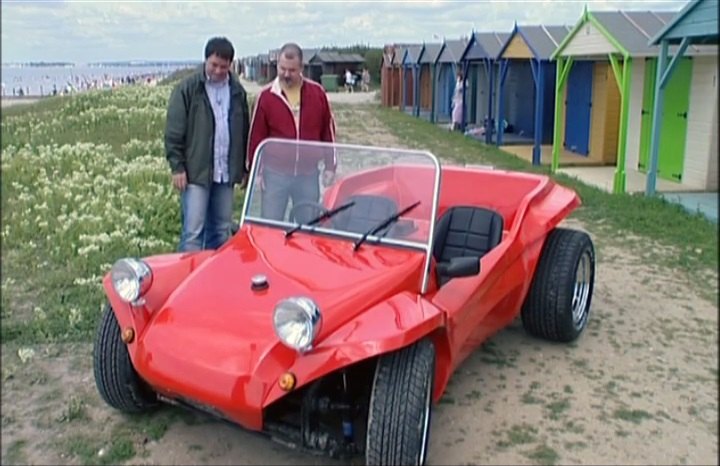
<point x="278" y="188"/>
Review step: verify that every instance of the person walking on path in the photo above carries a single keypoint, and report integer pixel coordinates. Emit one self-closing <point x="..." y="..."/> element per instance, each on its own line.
<point x="365" y="80"/>
<point x="291" y="107"/>
<point x="206" y="136"/>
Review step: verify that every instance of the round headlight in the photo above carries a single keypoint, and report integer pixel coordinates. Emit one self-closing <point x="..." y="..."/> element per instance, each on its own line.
<point x="297" y="322"/>
<point x="131" y="278"/>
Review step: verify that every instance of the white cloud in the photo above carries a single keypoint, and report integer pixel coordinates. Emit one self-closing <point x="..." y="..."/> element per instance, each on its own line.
<point x="101" y="30"/>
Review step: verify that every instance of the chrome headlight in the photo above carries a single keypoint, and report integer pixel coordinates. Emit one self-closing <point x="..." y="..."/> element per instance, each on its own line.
<point x="131" y="278"/>
<point x="297" y="322"/>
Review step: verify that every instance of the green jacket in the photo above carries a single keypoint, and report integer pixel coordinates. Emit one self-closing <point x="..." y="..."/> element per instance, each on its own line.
<point x="190" y="130"/>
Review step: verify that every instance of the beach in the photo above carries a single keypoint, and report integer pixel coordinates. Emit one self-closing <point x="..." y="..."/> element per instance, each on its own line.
<point x="38" y="81"/>
<point x="9" y="101"/>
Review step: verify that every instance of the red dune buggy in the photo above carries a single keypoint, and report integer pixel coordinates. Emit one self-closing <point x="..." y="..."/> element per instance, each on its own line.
<point x="334" y="323"/>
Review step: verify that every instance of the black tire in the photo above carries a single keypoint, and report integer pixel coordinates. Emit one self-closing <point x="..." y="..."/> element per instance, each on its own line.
<point x="400" y="406"/>
<point x="115" y="377"/>
<point x="555" y="308"/>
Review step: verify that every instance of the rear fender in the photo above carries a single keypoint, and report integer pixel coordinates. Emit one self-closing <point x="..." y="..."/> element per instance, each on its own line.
<point x="396" y="323"/>
<point x="541" y="215"/>
<point x="168" y="271"/>
<point x="545" y="211"/>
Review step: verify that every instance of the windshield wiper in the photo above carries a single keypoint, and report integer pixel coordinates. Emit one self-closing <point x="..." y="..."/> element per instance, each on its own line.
<point x="384" y="224"/>
<point x="324" y="216"/>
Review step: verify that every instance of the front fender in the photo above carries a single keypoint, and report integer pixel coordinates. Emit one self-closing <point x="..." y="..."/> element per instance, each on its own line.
<point x="168" y="271"/>
<point x="388" y="326"/>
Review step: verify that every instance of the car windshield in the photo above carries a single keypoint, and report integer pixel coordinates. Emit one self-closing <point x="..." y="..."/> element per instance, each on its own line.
<point x="374" y="195"/>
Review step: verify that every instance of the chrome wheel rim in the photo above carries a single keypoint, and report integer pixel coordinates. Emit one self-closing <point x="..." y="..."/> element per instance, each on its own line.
<point x="425" y="423"/>
<point x="581" y="290"/>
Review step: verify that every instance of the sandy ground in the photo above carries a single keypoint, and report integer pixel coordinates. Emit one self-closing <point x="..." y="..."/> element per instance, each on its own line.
<point x="639" y="387"/>
<point x="334" y="97"/>
<point x="9" y="102"/>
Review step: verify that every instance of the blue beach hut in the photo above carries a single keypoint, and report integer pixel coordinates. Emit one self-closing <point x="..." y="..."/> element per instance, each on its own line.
<point x="410" y="78"/>
<point x="527" y="88"/>
<point x="480" y="70"/>
<point x="427" y="81"/>
<point x="449" y="60"/>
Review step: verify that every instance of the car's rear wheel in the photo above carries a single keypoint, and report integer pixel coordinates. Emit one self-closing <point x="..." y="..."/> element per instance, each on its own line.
<point x="558" y="304"/>
<point x="115" y="378"/>
<point x="400" y="406"/>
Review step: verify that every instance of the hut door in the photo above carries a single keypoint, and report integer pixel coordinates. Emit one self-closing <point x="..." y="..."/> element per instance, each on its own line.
<point x="449" y="88"/>
<point x="578" y="104"/>
<point x="646" y="114"/>
<point x="675" y="117"/>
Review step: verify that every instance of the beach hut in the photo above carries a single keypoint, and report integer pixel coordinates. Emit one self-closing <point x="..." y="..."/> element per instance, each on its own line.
<point x="252" y="67"/>
<point x="449" y="60"/>
<point x="604" y="71"/>
<point x="263" y="73"/>
<point x="527" y="89"/>
<point x="397" y="64"/>
<point x="426" y="81"/>
<point x="480" y="70"/>
<point x="310" y="71"/>
<point x="336" y="63"/>
<point x="409" y="79"/>
<point x="272" y="63"/>
<point x="390" y="76"/>
<point x="697" y="161"/>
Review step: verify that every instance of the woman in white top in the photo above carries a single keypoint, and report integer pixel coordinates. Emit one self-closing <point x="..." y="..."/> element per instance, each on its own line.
<point x="457" y="101"/>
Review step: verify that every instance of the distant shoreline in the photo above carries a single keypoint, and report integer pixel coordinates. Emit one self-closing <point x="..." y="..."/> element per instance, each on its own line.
<point x="106" y="64"/>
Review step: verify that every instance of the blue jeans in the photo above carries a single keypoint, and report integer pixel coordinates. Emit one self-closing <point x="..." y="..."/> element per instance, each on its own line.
<point x="278" y="188"/>
<point x="206" y="214"/>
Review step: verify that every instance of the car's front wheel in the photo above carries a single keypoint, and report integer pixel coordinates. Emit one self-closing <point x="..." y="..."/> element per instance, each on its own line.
<point x="115" y="377"/>
<point x="400" y="406"/>
<point x="558" y="304"/>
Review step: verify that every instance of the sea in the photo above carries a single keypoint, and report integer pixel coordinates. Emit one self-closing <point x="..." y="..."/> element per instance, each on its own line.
<point x="43" y="80"/>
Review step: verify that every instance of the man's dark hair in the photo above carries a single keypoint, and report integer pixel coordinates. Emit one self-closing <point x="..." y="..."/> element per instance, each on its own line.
<point x="291" y="50"/>
<point x="221" y="47"/>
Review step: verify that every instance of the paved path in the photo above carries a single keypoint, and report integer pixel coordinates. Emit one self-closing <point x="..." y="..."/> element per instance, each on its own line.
<point x="335" y="97"/>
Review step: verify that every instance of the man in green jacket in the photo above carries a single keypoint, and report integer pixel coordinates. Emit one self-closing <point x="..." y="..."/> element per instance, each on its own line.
<point x="205" y="144"/>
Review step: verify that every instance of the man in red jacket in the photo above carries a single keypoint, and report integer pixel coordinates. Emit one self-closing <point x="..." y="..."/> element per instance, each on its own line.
<point x="291" y="107"/>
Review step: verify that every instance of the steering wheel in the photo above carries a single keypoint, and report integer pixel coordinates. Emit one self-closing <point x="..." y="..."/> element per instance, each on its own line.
<point x="314" y="208"/>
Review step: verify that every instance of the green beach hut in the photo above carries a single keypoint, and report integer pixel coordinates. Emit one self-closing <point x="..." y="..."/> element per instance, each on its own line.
<point x="696" y="24"/>
<point x="604" y="85"/>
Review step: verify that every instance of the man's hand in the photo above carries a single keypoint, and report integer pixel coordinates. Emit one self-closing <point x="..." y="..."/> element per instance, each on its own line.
<point x="179" y="181"/>
<point x="259" y="182"/>
<point x="327" y="178"/>
<point x="244" y="181"/>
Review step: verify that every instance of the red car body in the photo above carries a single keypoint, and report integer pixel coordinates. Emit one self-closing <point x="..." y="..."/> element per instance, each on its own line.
<point x="204" y="336"/>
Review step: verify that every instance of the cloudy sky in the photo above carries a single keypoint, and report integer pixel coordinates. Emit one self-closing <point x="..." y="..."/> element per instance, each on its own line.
<point x="87" y="31"/>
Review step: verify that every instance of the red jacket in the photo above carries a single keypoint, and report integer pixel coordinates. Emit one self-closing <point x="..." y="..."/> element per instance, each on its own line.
<point x="273" y="118"/>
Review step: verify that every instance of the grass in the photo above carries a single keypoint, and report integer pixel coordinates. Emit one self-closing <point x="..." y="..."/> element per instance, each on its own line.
<point x="518" y="435"/>
<point x="119" y="444"/>
<point x="544" y="454"/>
<point x="556" y="408"/>
<point x="74" y="411"/>
<point x="636" y="416"/>
<point x="92" y="451"/>
<point x="15" y="453"/>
